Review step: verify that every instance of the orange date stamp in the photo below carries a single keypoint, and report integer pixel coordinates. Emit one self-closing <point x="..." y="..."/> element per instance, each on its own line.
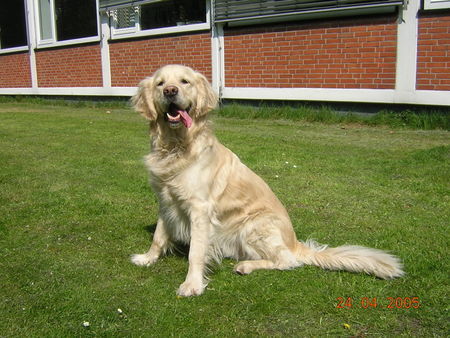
<point x="374" y="302"/>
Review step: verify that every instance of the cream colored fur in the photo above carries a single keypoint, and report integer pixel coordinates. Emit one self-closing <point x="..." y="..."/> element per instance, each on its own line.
<point x="209" y="200"/>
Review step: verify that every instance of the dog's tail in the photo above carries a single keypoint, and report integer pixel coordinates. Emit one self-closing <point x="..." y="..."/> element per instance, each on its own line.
<point x="350" y="258"/>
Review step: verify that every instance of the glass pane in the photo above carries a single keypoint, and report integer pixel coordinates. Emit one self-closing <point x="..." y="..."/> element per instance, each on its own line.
<point x="172" y="13"/>
<point x="75" y="19"/>
<point x="125" y="17"/>
<point x="45" y="19"/>
<point x="13" y="31"/>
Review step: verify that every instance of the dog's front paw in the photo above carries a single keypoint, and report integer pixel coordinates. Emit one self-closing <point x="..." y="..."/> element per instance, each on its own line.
<point x="143" y="260"/>
<point x="191" y="288"/>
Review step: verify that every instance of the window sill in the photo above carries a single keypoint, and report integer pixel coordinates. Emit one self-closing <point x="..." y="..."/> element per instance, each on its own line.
<point x="436" y="4"/>
<point x="43" y="45"/>
<point x="14" y="50"/>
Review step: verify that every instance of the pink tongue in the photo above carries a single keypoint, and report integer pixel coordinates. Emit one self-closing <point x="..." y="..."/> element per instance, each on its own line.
<point x="185" y="118"/>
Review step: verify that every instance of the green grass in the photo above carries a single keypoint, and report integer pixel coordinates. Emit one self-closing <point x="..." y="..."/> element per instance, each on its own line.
<point x="75" y="203"/>
<point x="420" y="118"/>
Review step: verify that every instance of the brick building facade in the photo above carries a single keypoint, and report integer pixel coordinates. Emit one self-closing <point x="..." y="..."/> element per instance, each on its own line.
<point x="398" y="55"/>
<point x="433" y="57"/>
<point x="344" y="53"/>
<point x="74" y="66"/>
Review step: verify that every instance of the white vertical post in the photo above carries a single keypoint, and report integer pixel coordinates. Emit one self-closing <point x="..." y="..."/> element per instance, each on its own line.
<point x="406" y="70"/>
<point x="104" y="50"/>
<point x="30" y="11"/>
<point x="218" y="59"/>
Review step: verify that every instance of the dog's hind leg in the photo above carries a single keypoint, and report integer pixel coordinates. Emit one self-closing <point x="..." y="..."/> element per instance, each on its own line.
<point x="266" y="249"/>
<point x="285" y="261"/>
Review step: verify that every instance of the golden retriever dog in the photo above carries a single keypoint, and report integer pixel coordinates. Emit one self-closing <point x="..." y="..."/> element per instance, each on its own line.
<point x="209" y="200"/>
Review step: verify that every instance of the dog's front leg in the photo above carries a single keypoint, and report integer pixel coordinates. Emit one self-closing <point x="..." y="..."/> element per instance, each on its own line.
<point x="159" y="245"/>
<point x="194" y="284"/>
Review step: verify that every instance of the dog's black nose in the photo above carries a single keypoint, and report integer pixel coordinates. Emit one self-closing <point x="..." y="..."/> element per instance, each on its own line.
<point x="170" y="91"/>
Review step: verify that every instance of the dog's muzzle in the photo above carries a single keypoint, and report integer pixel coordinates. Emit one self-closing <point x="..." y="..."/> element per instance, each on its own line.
<point x="177" y="116"/>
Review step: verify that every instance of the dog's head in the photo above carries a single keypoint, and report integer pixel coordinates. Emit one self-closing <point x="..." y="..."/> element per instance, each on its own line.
<point x="176" y="95"/>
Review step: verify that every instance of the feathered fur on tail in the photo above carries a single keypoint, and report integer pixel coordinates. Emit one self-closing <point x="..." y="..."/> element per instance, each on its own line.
<point x="350" y="258"/>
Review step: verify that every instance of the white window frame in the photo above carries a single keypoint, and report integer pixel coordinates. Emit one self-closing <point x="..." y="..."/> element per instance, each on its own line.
<point x="13" y="49"/>
<point x="135" y="32"/>
<point x="436" y="4"/>
<point x="52" y="42"/>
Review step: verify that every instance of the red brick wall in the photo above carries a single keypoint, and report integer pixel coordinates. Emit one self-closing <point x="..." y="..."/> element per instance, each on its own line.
<point x="131" y="61"/>
<point x="433" y="63"/>
<point x="15" y="70"/>
<point x="78" y="66"/>
<point x="349" y="53"/>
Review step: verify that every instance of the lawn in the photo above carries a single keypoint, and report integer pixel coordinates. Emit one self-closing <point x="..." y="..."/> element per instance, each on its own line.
<point x="75" y="204"/>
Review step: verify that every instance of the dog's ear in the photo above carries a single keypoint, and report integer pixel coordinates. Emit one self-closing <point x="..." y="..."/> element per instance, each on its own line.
<point x="142" y="101"/>
<point x="206" y="98"/>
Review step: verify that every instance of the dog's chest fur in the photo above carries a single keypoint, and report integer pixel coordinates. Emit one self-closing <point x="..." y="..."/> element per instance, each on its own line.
<point x="178" y="181"/>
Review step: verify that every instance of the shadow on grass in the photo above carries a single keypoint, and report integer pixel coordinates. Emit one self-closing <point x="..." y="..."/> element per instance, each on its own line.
<point x="179" y="249"/>
<point x="151" y="228"/>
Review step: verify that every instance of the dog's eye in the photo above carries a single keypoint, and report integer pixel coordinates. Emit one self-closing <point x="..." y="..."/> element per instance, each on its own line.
<point x="184" y="81"/>
<point x="160" y="83"/>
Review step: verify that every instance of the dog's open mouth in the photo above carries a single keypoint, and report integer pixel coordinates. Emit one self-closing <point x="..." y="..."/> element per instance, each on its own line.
<point x="177" y="116"/>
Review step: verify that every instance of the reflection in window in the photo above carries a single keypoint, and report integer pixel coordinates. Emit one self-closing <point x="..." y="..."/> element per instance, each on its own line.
<point x="126" y="17"/>
<point x="159" y="14"/>
<point x="172" y="13"/>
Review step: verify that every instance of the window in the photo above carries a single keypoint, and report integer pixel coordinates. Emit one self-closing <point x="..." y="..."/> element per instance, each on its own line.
<point x="241" y="11"/>
<point x="155" y="16"/>
<point x="172" y="13"/>
<point x="75" y="19"/>
<point x="436" y="4"/>
<point x="13" y="28"/>
<point x="60" y="21"/>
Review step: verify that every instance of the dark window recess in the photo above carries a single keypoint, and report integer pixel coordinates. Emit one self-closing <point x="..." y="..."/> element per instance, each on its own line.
<point x="75" y="19"/>
<point x="172" y="13"/>
<point x="13" y="28"/>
